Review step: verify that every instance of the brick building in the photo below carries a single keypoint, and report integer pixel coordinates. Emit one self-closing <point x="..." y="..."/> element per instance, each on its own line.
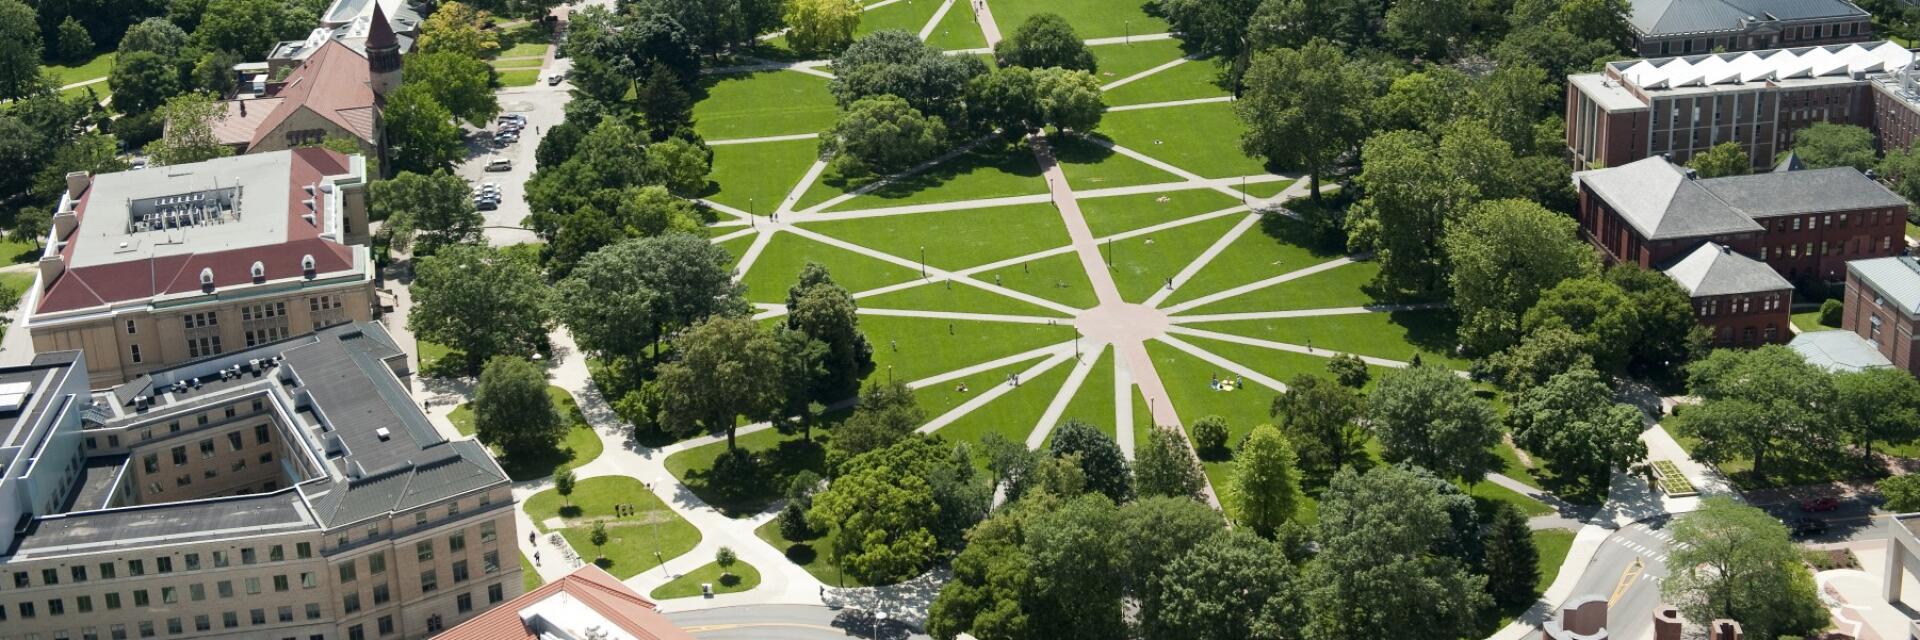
<point x="1682" y="27"/>
<point x="1738" y="243"/>
<point x="1682" y="106"/>
<point x="1883" y="306"/>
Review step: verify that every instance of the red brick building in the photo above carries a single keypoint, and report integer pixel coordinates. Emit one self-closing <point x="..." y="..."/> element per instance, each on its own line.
<point x="1681" y="106"/>
<point x="1681" y="27"/>
<point x="1738" y="243"/>
<point x="1883" y="306"/>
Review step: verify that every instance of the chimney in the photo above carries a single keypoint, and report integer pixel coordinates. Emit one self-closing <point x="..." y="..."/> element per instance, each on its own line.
<point x="1690" y="173"/>
<point x="77" y="183"/>
<point x="50" y="269"/>
<point x="1666" y="623"/>
<point x="1724" y="629"/>
<point x="64" y="223"/>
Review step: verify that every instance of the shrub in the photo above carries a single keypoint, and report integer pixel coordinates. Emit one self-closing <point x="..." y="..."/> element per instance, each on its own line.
<point x="1210" y="435"/>
<point x="1830" y="312"/>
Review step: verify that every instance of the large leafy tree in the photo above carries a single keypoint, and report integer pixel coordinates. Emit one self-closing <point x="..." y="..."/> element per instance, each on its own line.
<point x="1304" y="108"/>
<point x="189" y="137"/>
<point x="889" y="508"/>
<point x="156" y="35"/>
<point x="1321" y="419"/>
<point x="1724" y="159"/>
<point x="715" y="26"/>
<point x="1573" y="423"/>
<point x="1504" y="253"/>
<point x="882" y="135"/>
<point x="458" y="28"/>
<point x="897" y="63"/>
<point x="1428" y="416"/>
<point x="822" y="310"/>
<point x="457" y="81"/>
<point x="1540" y="355"/>
<point x="511" y="408"/>
<point x="1762" y="404"/>
<point x="1045" y="40"/>
<point x="251" y="27"/>
<point x="481" y="302"/>
<point x="1733" y="561"/>
<point x="421" y="136"/>
<point x="426" y="212"/>
<point x="1597" y="311"/>
<point x="1165" y="466"/>
<point x="1069" y="99"/>
<point x="1876" y="405"/>
<point x="1233" y="586"/>
<point x="887" y="413"/>
<point x="1263" y="486"/>
<point x="1827" y="144"/>
<point x="1005" y="99"/>
<point x="20" y="50"/>
<point x="822" y="26"/>
<point x="142" y="81"/>
<point x="1380" y="571"/>
<point x="725" y="371"/>
<point x="1430" y="29"/>
<point x="1100" y="459"/>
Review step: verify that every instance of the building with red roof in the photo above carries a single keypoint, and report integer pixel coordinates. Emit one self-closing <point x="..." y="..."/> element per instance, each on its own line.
<point x="334" y="92"/>
<point x="584" y="604"/>
<point x="151" y="268"/>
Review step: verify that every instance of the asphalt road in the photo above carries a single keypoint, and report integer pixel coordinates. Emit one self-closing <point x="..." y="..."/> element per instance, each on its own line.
<point x="1628" y="570"/>
<point x="786" y="622"/>
<point x="544" y="106"/>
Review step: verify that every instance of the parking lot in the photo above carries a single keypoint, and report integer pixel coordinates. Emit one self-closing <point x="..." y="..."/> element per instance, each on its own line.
<point x="543" y="107"/>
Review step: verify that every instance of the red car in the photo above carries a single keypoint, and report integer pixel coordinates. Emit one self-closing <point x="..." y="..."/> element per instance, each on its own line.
<point x="1819" y="505"/>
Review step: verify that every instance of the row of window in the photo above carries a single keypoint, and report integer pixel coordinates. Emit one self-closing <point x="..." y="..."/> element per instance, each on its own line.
<point x="143" y="598"/>
<point x="164" y="564"/>
<point x="178" y="626"/>
<point x="151" y="462"/>
<point x="1742" y="304"/>
<point x="463" y="603"/>
<point x="1815" y="221"/>
<point x="263" y="311"/>
<point x="1826" y="249"/>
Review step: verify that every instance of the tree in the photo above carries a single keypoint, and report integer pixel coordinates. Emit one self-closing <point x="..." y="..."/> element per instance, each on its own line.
<point x="1504" y="253"/>
<point x="71" y="41"/>
<point x="1733" y="561"/>
<point x="1540" y="355"/>
<point x="895" y="62"/>
<point x="1232" y="586"/>
<point x="598" y="536"/>
<point x="823" y="310"/>
<point x="1410" y="197"/>
<point x="630" y="295"/>
<point x="156" y="35"/>
<point x="456" y="81"/>
<point x="426" y="212"/>
<point x="881" y="516"/>
<point x="722" y="374"/>
<point x="1100" y="458"/>
<point x="1210" y="435"/>
<point x="213" y="72"/>
<point x="1349" y="370"/>
<point x="1263" y="487"/>
<point x="1165" y="466"/>
<point x="822" y="26"/>
<point x="666" y="107"/>
<point x="142" y="81"/>
<point x="714" y="26"/>
<point x="1827" y="144"/>
<point x="458" y="29"/>
<point x="1321" y="420"/>
<point x="189" y="137"/>
<point x="683" y="165"/>
<point x="1876" y="405"/>
<point x="1832" y="311"/>
<point x="1759" y="404"/>
<point x="511" y="408"/>
<point x="1573" y="423"/>
<point x="1303" y="108"/>
<point x="1152" y="533"/>
<point x="563" y="484"/>
<point x="251" y="27"/>
<point x="1724" y="159"/>
<point x="1428" y="416"/>
<point x="481" y="302"/>
<point x="887" y="413"/>
<point x="1430" y="29"/>
<point x="1045" y="40"/>
<point x="1902" y="493"/>
<point x="1078" y="570"/>
<point x="1069" y="99"/>
<point x="793" y="522"/>
<point x="1379" y="571"/>
<point x="881" y="135"/>
<point x="1594" y="309"/>
<point x="421" y="136"/>
<point x="32" y="223"/>
<point x="1512" y="560"/>
<point x="1005" y="99"/>
<point x="1900" y="170"/>
<point x="725" y="557"/>
<point x="20" y="50"/>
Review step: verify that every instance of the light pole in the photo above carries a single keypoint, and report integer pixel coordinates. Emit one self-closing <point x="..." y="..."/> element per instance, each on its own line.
<point x="1243" y="189"/>
<point x="656" y="536"/>
<point x="923" y="261"/>
<point x="889" y="374"/>
<point x="1128" y="24"/>
<point x="751" y="220"/>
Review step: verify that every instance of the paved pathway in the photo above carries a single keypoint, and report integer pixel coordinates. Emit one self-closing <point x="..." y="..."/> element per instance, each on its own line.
<point x="984" y="15"/>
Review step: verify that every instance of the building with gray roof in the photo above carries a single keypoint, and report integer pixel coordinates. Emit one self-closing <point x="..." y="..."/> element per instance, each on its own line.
<point x="1882" y="306"/>
<point x="301" y="471"/>
<point x="1838" y="350"/>
<point x="1680" y="27"/>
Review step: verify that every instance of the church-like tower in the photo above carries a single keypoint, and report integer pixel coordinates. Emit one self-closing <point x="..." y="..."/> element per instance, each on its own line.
<point x="383" y="53"/>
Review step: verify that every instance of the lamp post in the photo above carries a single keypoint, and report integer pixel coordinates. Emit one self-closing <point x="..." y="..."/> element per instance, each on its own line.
<point x="923" y="261"/>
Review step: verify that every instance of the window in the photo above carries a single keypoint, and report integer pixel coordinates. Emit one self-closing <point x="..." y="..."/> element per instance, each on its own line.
<point x="224" y="587"/>
<point x="490" y="562"/>
<point x="113" y="601"/>
<point x="433" y="623"/>
<point x="220" y="559"/>
<point x="253" y="586"/>
<point x="281" y="584"/>
<point x="420" y="520"/>
<point x="83" y="603"/>
<point x="459" y="571"/>
<point x="285" y="614"/>
<point x="202" y="622"/>
<point x="464" y="603"/>
<point x="131" y="329"/>
<point x="495" y="594"/>
<point x="49" y="577"/>
<point x="347" y="572"/>
<point x="234" y="442"/>
<point x="146" y="629"/>
<point x="193" y="561"/>
<point x="56" y="607"/>
<point x="424" y="550"/>
<point x="197" y="592"/>
<point x="429" y="581"/>
<point x="266" y="458"/>
<point x="457" y="542"/>
<point x="356" y="633"/>
<point x="164" y="564"/>
<point x="260" y="435"/>
<point x="1796" y="224"/>
<point x="308" y="580"/>
<point x="183" y="480"/>
<point x="206" y="448"/>
<point x="180" y="455"/>
<point x="174" y="627"/>
<point x="350" y="603"/>
<point x="380" y="594"/>
<point x="257" y="616"/>
<point x="26" y="611"/>
<point x="486" y="532"/>
<point x="247" y="556"/>
<point x="303" y="550"/>
<point x="140" y="598"/>
<point x="313" y="611"/>
<point x="377" y="563"/>
<point x="169" y="595"/>
<point x="385" y="623"/>
<point x="136" y="567"/>
<point x="133" y="351"/>
<point x="229" y="620"/>
<point x="276" y="553"/>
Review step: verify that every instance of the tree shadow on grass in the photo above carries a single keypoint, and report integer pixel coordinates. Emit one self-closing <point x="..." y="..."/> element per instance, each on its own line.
<point x="526" y="464"/>
<point x="745" y="489"/>
<point x="1075" y="149"/>
<point x="801" y="553"/>
<point x="1432" y="331"/>
<point x="1013" y="160"/>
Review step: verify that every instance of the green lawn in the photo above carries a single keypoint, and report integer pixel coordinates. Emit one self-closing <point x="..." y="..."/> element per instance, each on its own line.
<point x="1091" y="166"/>
<point x="1142" y="419"/>
<point x="16" y="284"/>
<point x="1188" y="382"/>
<point x="956" y="240"/>
<point x="982" y="173"/>
<point x="1267" y="189"/>
<point x="1338" y="287"/>
<point x="1394" y="336"/>
<point x="98" y="67"/>
<point x="778" y="267"/>
<point x="737" y="246"/>
<point x="1187" y="81"/>
<point x="652" y="529"/>
<point x="1118" y="61"/>
<point x="917" y="348"/>
<point x="1553" y="545"/>
<point x="1013" y="415"/>
<point x="580" y="446"/>
<point x="517" y="63"/>
<point x="768" y="103"/>
<point x="431" y="354"/>
<point x="740" y="577"/>
<point x="756" y="177"/>
<point x="518" y="77"/>
<point x="524" y="49"/>
<point x="946" y="296"/>
<point x="13" y="251"/>
<point x="907" y="15"/>
<point x="529" y="575"/>
<point x="1272" y="248"/>
<point x="1090" y="18"/>
<point x="1810" y="321"/>
<point x="1059" y="278"/>
<point x="936" y="400"/>
<point x="1201" y="138"/>
<point x="1282" y="366"/>
<point x="814" y="555"/>
<point x="780" y="455"/>
<point x="1114" y="214"/>
<point x="958" y="29"/>
<point x="1142" y="265"/>
<point x="1093" y="403"/>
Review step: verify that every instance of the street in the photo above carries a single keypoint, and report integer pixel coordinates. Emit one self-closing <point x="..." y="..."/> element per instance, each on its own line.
<point x="786" y="622"/>
<point x="1628" y="569"/>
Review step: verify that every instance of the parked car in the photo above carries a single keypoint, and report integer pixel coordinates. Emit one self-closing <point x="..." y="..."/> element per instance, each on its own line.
<point x="486" y="204"/>
<point x="1808" y="527"/>
<point x="500" y="164"/>
<point x="554" y="79"/>
<point x="1819" y="505"/>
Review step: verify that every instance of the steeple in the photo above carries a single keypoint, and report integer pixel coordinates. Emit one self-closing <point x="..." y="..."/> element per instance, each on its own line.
<point x="383" y="52"/>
